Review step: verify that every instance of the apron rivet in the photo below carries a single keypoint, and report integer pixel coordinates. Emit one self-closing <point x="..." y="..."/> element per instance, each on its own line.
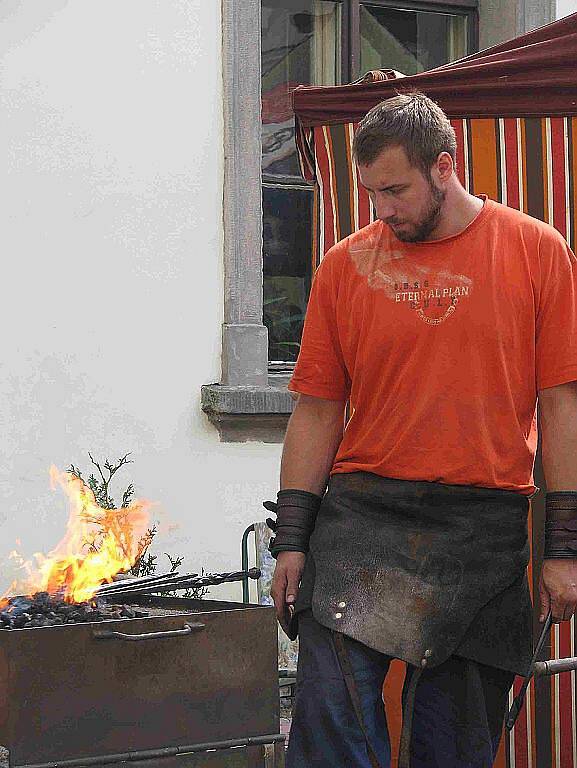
<point x="342" y="604"/>
<point x="338" y="615"/>
<point x="428" y="653"/>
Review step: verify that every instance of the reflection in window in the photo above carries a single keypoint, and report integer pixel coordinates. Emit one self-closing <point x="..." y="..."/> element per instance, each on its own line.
<point x="287" y="216"/>
<point x="299" y="47"/>
<point x="410" y="41"/>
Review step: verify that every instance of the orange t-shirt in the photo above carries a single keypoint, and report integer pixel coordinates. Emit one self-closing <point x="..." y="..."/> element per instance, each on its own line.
<point x="441" y="347"/>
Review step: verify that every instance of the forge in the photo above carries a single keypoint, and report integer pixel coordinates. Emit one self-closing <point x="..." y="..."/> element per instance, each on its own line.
<point x="156" y="681"/>
<point x="99" y="666"/>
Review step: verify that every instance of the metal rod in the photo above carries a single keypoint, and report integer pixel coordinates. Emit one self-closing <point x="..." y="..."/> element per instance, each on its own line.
<point x="124" y="584"/>
<point x="244" y="563"/>
<point x="219" y="578"/>
<point x="555" y="666"/>
<point x="160" y="581"/>
<point x="185" y="582"/>
<point x="520" y="698"/>
<point x="249" y="741"/>
<point x="103" y="592"/>
<point x="143" y="579"/>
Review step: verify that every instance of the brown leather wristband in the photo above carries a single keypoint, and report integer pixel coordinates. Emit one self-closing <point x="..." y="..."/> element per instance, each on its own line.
<point x="296" y="513"/>
<point x="560" y="525"/>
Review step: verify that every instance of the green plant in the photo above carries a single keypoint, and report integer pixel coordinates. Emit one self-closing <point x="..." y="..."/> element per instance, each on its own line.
<point x="117" y="520"/>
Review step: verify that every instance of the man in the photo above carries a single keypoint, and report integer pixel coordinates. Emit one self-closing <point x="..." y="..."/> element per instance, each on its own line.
<point x="439" y="323"/>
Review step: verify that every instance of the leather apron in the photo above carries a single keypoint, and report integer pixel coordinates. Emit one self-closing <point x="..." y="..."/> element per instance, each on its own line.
<point x="422" y="570"/>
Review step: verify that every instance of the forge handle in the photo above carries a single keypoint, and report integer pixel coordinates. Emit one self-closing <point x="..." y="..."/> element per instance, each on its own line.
<point x="555" y="666"/>
<point x="112" y="635"/>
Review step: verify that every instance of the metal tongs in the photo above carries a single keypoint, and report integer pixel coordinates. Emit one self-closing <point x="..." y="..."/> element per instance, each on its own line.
<point x="538" y="669"/>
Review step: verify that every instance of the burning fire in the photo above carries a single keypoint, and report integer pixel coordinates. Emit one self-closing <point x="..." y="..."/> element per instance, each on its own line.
<point x="99" y="543"/>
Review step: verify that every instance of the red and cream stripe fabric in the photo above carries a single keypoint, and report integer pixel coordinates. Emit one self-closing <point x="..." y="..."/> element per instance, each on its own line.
<point x="529" y="164"/>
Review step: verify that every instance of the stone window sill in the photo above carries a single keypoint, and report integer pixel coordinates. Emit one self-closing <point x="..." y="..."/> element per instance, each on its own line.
<point x="242" y="414"/>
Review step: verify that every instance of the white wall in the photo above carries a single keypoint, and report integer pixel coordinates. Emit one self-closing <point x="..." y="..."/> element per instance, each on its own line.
<point x="112" y="282"/>
<point x="565" y="7"/>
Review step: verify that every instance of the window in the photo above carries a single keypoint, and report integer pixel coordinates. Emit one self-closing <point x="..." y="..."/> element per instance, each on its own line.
<point x="414" y="40"/>
<point x="287" y="220"/>
<point x="300" y="46"/>
<point x="328" y="42"/>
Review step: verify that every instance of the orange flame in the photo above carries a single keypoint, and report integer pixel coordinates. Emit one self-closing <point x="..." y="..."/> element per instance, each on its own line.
<point x="99" y="543"/>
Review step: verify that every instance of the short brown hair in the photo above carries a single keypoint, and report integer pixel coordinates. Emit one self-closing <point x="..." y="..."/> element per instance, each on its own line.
<point x="408" y="120"/>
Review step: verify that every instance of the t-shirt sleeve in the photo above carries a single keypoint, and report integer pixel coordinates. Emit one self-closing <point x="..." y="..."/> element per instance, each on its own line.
<point x="556" y="324"/>
<point x="320" y="370"/>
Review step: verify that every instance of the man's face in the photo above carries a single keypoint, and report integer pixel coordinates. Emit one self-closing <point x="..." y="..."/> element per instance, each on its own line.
<point x="403" y="198"/>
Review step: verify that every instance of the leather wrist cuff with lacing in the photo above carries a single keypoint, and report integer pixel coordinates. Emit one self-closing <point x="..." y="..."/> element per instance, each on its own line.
<point x="296" y="514"/>
<point x="560" y="525"/>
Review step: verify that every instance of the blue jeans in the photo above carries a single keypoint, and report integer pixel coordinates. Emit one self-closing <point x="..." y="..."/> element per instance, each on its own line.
<point x="458" y="715"/>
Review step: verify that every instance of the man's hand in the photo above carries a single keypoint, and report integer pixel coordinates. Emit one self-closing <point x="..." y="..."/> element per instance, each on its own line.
<point x="285" y="584"/>
<point x="558" y="588"/>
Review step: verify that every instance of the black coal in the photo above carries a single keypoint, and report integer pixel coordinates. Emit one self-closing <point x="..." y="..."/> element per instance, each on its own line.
<point x="47" y="610"/>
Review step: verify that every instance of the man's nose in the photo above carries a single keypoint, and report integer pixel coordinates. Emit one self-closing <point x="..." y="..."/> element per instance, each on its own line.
<point x="384" y="209"/>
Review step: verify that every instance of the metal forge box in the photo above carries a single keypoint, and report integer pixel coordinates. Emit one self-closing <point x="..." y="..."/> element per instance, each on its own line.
<point x="195" y="683"/>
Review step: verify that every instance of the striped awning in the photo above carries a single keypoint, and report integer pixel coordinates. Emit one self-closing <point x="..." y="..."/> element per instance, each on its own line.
<point x="526" y="163"/>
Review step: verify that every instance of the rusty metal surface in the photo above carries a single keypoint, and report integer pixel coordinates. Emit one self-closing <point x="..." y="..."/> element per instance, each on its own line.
<point x="230" y="759"/>
<point x="254" y="752"/>
<point x="253" y="757"/>
<point x="249" y="743"/>
<point x="66" y="695"/>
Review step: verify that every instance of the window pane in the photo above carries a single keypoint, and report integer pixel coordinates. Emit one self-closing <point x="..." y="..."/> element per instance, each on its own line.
<point x="287" y="230"/>
<point x="410" y="41"/>
<point x="300" y="46"/>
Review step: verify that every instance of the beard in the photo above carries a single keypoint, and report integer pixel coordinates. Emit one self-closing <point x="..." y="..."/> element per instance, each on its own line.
<point x="429" y="220"/>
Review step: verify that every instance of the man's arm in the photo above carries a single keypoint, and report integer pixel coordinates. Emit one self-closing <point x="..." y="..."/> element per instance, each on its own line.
<point x="314" y="433"/>
<point x="558" y="422"/>
<point x="558" y="426"/>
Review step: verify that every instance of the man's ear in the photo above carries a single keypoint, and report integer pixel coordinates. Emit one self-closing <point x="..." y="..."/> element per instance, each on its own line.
<point x="444" y="166"/>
